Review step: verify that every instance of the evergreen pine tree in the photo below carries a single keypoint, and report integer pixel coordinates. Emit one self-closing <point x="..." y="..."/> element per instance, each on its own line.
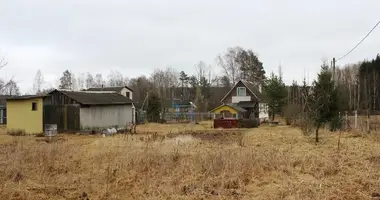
<point x="154" y="107"/>
<point x="184" y="78"/>
<point x="323" y="100"/>
<point x="276" y="94"/>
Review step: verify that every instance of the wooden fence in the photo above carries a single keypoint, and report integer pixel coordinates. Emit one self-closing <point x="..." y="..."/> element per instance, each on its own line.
<point x="65" y="116"/>
<point x="225" y="123"/>
<point x="187" y="116"/>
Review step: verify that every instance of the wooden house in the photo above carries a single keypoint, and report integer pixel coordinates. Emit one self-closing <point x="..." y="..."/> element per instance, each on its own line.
<point x="246" y="100"/>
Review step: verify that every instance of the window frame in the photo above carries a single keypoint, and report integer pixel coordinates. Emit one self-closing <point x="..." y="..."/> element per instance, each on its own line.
<point x="239" y="88"/>
<point x="34" y="106"/>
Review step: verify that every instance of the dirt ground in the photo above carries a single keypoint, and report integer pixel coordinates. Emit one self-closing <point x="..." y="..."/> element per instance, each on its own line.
<point x="191" y="161"/>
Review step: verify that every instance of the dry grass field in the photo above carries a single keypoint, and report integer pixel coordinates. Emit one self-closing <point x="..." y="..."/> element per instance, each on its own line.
<point x="187" y="161"/>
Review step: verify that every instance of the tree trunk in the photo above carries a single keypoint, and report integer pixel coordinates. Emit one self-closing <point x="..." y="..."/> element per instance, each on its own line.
<point x="316" y="134"/>
<point x="368" y="120"/>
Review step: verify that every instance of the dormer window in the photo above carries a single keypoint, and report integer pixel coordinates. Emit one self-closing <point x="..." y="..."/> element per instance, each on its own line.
<point x="241" y="91"/>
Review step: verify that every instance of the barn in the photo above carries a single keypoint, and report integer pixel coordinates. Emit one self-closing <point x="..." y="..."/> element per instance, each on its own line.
<point x="87" y="110"/>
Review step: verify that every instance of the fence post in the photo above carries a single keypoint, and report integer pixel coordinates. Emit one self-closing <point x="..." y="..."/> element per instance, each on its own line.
<point x="368" y="121"/>
<point x="346" y="124"/>
<point x="356" y="119"/>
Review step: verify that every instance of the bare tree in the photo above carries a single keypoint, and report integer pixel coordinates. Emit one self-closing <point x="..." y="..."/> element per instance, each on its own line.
<point x="3" y="61"/>
<point x="66" y="80"/>
<point x="141" y="86"/>
<point x="115" y="79"/>
<point x="164" y="82"/>
<point x="201" y="69"/>
<point x="80" y="81"/>
<point x="230" y="66"/>
<point x="125" y="81"/>
<point x="38" y="81"/>
<point x="90" y="81"/>
<point x="11" y="88"/>
<point x="74" y="82"/>
<point x="99" y="82"/>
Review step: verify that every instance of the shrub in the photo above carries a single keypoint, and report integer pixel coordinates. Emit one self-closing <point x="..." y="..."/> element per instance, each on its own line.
<point x="291" y="113"/>
<point x="336" y="123"/>
<point x="306" y="126"/>
<point x="16" y="132"/>
<point x="248" y="123"/>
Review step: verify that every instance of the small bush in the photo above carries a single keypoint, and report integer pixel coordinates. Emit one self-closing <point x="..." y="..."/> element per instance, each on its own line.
<point x="248" y="123"/>
<point x="306" y="126"/>
<point x="162" y="121"/>
<point x="336" y="123"/>
<point x="16" y="132"/>
<point x="40" y="135"/>
<point x="291" y="113"/>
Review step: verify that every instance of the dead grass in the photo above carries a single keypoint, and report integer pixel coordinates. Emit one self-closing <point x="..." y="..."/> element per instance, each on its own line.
<point x="263" y="163"/>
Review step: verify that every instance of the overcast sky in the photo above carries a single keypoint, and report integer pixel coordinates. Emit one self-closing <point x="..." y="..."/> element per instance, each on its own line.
<point x="134" y="37"/>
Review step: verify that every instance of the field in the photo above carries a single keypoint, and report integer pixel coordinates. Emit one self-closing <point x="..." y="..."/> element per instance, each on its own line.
<point x="187" y="161"/>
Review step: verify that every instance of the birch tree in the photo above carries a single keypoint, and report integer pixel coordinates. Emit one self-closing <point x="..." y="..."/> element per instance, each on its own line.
<point x="90" y="81"/>
<point x="38" y="81"/>
<point x="66" y="80"/>
<point x="229" y="64"/>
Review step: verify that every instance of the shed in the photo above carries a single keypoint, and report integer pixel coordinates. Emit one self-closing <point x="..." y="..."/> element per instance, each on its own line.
<point x="228" y="111"/>
<point x="86" y="110"/>
<point x="25" y="114"/>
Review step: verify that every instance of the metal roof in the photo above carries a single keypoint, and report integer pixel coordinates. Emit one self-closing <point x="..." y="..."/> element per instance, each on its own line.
<point x="231" y="105"/>
<point x="25" y="97"/>
<point x="116" y="89"/>
<point x="88" y="98"/>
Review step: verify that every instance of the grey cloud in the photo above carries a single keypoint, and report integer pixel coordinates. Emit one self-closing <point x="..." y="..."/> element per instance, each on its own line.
<point x="137" y="36"/>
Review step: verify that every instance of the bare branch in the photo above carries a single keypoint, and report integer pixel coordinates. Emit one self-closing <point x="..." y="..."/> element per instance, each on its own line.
<point x="3" y="62"/>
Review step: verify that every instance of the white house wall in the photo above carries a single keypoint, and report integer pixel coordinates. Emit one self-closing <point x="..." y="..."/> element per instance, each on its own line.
<point x="263" y="111"/>
<point x="105" y="116"/>
<point x="124" y="92"/>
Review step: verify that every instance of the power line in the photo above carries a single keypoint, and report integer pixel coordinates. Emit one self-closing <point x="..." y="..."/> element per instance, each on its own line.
<point x="360" y="41"/>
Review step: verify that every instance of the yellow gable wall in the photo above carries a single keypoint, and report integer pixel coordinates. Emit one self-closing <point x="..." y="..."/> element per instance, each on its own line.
<point x="21" y="117"/>
<point x="223" y="108"/>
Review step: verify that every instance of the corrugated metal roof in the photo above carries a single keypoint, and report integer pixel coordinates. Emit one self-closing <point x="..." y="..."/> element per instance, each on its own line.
<point x="246" y="104"/>
<point x="88" y="98"/>
<point x="236" y="107"/>
<point x="25" y="97"/>
<point x="116" y="89"/>
<point x="231" y="105"/>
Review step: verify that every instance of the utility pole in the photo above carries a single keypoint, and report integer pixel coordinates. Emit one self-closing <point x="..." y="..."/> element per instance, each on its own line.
<point x="333" y="73"/>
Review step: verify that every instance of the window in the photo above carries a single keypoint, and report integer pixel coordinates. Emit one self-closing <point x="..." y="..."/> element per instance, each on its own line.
<point x="241" y="91"/>
<point x="34" y="106"/>
<point x="127" y="95"/>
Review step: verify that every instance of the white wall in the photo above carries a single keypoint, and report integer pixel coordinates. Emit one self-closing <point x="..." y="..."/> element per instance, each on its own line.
<point x="237" y="99"/>
<point x="105" y="116"/>
<point x="263" y="111"/>
<point x="124" y="93"/>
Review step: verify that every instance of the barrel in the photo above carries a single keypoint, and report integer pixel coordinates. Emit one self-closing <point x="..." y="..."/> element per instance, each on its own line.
<point x="50" y="130"/>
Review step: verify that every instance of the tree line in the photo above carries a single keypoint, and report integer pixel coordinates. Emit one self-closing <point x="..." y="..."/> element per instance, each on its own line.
<point x="316" y="105"/>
